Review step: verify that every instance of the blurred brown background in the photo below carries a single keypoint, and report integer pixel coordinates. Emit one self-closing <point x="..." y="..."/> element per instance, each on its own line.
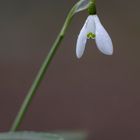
<point x="98" y="93"/>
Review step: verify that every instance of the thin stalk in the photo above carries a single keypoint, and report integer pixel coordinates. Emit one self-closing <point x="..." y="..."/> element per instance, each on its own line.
<point x="36" y="83"/>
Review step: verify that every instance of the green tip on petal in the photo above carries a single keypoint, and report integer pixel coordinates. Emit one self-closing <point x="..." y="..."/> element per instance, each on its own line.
<point x="91" y="35"/>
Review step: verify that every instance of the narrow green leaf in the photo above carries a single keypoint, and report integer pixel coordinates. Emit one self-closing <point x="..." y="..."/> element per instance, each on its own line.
<point x="73" y="135"/>
<point x="29" y="136"/>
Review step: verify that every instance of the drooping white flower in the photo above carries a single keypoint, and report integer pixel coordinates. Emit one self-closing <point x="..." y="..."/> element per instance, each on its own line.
<point x="93" y="29"/>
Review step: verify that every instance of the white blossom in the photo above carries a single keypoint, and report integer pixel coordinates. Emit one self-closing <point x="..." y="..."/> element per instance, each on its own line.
<point x="93" y="29"/>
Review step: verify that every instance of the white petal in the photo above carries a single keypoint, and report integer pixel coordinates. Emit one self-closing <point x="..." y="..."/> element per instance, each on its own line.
<point x="90" y="25"/>
<point x="103" y="40"/>
<point x="81" y="42"/>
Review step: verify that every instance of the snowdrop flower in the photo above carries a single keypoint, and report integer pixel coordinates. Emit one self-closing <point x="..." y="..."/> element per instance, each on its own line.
<point x="93" y="29"/>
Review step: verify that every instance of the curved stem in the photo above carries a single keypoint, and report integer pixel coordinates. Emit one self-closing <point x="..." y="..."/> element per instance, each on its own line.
<point x="28" y="99"/>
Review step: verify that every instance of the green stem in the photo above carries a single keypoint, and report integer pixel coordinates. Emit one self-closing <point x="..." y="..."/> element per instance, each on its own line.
<point x="28" y="99"/>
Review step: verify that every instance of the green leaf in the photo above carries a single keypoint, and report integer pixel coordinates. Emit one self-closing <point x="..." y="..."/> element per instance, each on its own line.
<point x="29" y="136"/>
<point x="61" y="135"/>
<point x="73" y="135"/>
